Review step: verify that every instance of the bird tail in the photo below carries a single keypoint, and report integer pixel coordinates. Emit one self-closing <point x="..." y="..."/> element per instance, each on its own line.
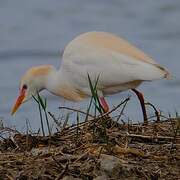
<point x="166" y="73"/>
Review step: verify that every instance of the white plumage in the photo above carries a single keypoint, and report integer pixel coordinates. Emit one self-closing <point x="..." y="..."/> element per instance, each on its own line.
<point x="119" y="65"/>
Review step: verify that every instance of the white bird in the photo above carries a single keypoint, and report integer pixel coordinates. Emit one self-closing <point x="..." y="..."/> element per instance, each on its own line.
<point x="119" y="65"/>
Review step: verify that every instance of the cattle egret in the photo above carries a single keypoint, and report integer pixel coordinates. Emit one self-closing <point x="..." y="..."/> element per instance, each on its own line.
<point x="118" y="64"/>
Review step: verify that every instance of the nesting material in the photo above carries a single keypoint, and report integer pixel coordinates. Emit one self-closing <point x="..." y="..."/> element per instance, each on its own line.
<point x="98" y="149"/>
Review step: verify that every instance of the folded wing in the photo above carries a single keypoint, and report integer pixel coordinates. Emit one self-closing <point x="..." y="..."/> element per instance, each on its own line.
<point x="110" y="57"/>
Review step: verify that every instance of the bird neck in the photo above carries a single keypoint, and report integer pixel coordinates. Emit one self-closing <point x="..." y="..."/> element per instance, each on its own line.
<point x="59" y="84"/>
<point x="55" y="82"/>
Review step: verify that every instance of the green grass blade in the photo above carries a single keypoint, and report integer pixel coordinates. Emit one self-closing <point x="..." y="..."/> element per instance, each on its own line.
<point x="40" y="114"/>
<point x="94" y="93"/>
<point x="40" y="99"/>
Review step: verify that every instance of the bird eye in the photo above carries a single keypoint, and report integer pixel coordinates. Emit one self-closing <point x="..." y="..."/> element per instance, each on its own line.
<point x="24" y="86"/>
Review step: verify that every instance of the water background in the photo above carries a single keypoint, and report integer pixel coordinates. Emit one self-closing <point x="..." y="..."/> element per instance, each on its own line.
<point x="34" y="32"/>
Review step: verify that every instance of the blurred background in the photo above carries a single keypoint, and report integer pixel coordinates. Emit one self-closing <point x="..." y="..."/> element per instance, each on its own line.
<point x="35" y="32"/>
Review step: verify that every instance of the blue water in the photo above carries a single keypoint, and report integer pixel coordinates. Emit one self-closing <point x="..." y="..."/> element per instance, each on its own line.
<point x="34" y="32"/>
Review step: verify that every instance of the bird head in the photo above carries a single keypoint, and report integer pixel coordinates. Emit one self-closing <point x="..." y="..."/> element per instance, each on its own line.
<point x="31" y="83"/>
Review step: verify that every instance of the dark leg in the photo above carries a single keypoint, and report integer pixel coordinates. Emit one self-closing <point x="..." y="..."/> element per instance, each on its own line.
<point x="141" y="99"/>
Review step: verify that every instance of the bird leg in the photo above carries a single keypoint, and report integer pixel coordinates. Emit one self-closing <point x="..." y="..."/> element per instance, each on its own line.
<point x="141" y="99"/>
<point x="104" y="104"/>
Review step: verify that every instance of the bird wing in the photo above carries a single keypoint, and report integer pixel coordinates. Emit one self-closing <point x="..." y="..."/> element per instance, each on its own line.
<point x="111" y="42"/>
<point x="110" y="57"/>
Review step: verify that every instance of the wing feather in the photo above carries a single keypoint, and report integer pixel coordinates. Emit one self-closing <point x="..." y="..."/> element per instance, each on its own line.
<point x="115" y="60"/>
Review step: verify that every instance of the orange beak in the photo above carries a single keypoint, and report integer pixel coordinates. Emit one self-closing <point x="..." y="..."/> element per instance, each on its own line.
<point x="19" y="101"/>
